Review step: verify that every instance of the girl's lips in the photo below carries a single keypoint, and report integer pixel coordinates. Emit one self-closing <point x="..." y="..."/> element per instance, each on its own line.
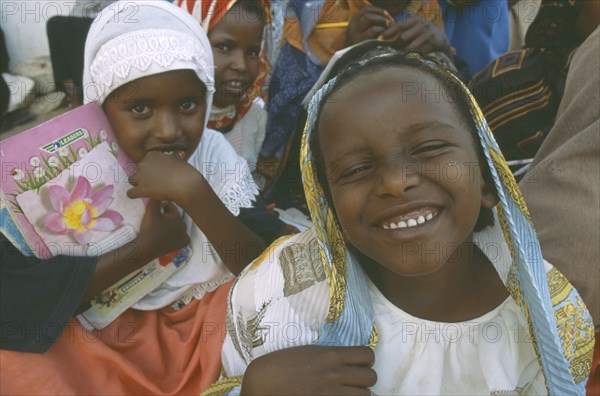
<point x="235" y="86"/>
<point x="410" y="229"/>
<point x="410" y="219"/>
<point x="173" y="151"/>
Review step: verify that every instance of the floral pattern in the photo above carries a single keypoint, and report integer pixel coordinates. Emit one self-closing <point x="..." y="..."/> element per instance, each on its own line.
<point x="80" y="211"/>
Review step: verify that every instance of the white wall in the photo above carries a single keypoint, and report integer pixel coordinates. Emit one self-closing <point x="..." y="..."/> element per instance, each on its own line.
<point x="24" y="25"/>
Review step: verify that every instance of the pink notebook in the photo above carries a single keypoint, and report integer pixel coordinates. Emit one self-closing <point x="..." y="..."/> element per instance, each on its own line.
<point x="64" y="186"/>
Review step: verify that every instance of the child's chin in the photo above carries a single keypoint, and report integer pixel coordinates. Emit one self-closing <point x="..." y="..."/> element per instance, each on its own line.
<point x="227" y="99"/>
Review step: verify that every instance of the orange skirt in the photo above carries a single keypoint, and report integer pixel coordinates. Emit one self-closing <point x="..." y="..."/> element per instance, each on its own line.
<point x="142" y="352"/>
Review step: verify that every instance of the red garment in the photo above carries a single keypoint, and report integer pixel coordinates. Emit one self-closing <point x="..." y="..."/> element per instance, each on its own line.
<point x="142" y="352"/>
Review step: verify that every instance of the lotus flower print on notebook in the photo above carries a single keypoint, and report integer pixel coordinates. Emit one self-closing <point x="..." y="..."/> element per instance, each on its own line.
<point x="80" y="211"/>
<point x="63" y="191"/>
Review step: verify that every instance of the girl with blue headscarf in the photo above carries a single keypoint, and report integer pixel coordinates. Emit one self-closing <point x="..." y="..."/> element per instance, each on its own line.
<point x="422" y="248"/>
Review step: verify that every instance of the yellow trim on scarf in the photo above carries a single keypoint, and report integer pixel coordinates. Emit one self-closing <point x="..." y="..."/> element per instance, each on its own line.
<point x="268" y="252"/>
<point x="222" y="386"/>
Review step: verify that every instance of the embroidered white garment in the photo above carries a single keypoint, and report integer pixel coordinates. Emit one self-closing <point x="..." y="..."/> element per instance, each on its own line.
<point x="123" y="46"/>
<point x="284" y="301"/>
<point x="492" y="354"/>
<point x="143" y="53"/>
<point x="248" y="133"/>
<point x="220" y="113"/>
<point x="229" y="176"/>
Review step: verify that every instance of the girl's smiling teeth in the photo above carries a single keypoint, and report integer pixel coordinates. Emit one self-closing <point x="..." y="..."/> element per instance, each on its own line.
<point x="411" y="219"/>
<point x="234" y="85"/>
<point x="180" y="153"/>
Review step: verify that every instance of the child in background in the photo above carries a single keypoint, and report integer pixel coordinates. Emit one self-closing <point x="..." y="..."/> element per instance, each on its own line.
<point x="422" y="248"/>
<point x="315" y="29"/>
<point x="155" y="80"/>
<point x="238" y="32"/>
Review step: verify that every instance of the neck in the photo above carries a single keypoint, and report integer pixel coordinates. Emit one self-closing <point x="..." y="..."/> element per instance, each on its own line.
<point x="465" y="287"/>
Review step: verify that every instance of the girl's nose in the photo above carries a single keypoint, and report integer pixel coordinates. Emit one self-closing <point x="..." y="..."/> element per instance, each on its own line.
<point x="167" y="126"/>
<point x="397" y="177"/>
<point x="238" y="61"/>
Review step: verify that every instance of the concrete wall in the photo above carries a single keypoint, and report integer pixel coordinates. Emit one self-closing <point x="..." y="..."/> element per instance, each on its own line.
<point x="24" y="25"/>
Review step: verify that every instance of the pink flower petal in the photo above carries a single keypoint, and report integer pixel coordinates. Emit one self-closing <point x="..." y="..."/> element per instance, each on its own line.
<point x="102" y="198"/>
<point x="81" y="190"/>
<point x="86" y="217"/>
<point x="59" y="197"/>
<point x="54" y="222"/>
<point x="103" y="224"/>
<point x="83" y="237"/>
<point x="113" y="216"/>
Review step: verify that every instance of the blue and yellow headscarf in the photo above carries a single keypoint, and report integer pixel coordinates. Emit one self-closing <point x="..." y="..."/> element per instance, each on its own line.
<point x="559" y="322"/>
<point x="265" y="293"/>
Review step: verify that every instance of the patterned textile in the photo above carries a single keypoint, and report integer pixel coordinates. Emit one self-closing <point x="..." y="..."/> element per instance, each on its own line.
<point x="278" y="287"/>
<point x="519" y="93"/>
<point x="208" y="14"/>
<point x="304" y="54"/>
<point x="292" y="77"/>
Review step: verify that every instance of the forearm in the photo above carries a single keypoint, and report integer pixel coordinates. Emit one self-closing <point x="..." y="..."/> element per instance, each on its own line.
<point x="235" y="243"/>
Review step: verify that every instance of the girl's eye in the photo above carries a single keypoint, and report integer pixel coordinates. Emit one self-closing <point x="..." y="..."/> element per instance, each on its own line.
<point x="223" y="47"/>
<point x="354" y="172"/>
<point x="140" y="109"/>
<point x="430" y="147"/>
<point x="253" y="53"/>
<point x="187" y="106"/>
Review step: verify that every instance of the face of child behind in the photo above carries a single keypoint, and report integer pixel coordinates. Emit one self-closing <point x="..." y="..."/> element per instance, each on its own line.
<point x="236" y="42"/>
<point x="403" y="171"/>
<point x="159" y="113"/>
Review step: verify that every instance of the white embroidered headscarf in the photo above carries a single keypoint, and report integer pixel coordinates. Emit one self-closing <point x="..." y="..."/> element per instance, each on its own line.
<point x="129" y="40"/>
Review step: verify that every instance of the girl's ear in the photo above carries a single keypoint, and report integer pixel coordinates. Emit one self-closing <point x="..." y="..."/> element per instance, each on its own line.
<point x="489" y="197"/>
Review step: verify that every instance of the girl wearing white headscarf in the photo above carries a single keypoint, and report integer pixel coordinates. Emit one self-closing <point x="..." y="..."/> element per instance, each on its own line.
<point x="153" y="349"/>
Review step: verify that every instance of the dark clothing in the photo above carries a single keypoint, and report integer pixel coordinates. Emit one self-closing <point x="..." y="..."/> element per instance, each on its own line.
<point x="66" y="37"/>
<point x="519" y="93"/>
<point x="4" y="91"/>
<point x="261" y="221"/>
<point x="38" y="297"/>
<point x="4" y="59"/>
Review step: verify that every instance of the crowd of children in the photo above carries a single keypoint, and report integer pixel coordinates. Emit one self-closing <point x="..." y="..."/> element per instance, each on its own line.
<point x="423" y="272"/>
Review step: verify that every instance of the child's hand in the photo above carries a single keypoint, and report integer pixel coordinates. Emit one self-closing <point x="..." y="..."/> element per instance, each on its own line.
<point x="418" y="34"/>
<point x="162" y="229"/>
<point x="286" y="229"/>
<point x="164" y="178"/>
<point x="311" y="370"/>
<point x="367" y="24"/>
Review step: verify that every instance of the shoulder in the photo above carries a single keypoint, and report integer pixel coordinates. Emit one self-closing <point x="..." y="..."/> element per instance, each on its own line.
<point x="213" y="141"/>
<point x="284" y="287"/>
<point x="216" y="157"/>
<point x="290" y="265"/>
<point x="254" y="116"/>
